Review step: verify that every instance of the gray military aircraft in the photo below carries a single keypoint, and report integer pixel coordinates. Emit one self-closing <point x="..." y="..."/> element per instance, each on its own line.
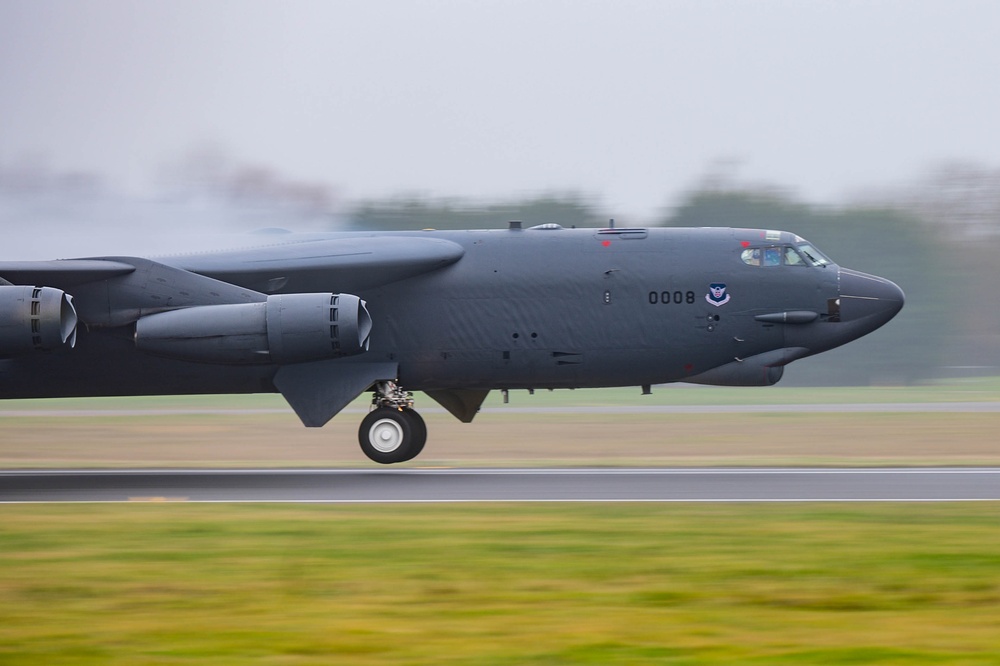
<point x="324" y="318"/>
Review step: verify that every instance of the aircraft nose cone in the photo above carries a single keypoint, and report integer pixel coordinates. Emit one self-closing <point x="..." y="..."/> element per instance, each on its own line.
<point x="868" y="297"/>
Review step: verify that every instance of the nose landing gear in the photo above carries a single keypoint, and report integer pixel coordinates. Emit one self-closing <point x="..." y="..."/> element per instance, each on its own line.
<point x="392" y="432"/>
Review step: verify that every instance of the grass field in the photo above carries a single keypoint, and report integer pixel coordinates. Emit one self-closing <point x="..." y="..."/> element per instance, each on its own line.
<point x="501" y="584"/>
<point x="175" y="583"/>
<point x="260" y="430"/>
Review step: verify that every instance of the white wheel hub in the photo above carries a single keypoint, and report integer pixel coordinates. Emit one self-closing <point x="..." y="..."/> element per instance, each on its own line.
<point x="385" y="435"/>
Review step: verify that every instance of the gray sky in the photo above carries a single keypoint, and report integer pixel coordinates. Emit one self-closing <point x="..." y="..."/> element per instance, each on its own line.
<point x="631" y="101"/>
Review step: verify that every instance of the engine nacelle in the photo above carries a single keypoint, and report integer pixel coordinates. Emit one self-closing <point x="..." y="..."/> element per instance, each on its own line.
<point x="287" y="328"/>
<point x="740" y="374"/>
<point x="761" y="370"/>
<point x="35" y="319"/>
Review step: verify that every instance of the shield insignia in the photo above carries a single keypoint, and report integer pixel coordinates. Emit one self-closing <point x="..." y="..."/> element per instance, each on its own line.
<point x="717" y="294"/>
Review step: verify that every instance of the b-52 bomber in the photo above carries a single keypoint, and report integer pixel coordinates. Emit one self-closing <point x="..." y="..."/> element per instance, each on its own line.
<point x="322" y="318"/>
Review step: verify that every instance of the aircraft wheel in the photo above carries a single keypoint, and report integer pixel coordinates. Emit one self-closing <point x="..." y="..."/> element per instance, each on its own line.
<point x="419" y="429"/>
<point x="387" y="436"/>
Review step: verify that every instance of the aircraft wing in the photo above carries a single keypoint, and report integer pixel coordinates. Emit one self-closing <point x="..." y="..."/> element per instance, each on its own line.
<point x="112" y="291"/>
<point x="62" y="273"/>
<point x="343" y="263"/>
<point x="346" y="263"/>
<point x="272" y="298"/>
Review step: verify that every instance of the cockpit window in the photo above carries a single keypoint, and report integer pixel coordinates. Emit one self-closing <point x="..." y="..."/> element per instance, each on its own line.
<point x="784" y="255"/>
<point x="751" y="256"/>
<point x="793" y="258"/>
<point x="813" y="256"/>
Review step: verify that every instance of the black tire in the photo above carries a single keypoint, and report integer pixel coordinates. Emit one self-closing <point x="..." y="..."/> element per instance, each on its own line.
<point x="386" y="436"/>
<point x="419" y="429"/>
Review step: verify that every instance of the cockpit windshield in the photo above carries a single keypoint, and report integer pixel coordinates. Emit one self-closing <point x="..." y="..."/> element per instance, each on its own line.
<point x="802" y="254"/>
<point x="813" y="256"/>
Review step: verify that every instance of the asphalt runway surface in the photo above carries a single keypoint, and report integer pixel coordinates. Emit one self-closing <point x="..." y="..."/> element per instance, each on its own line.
<point x="504" y="485"/>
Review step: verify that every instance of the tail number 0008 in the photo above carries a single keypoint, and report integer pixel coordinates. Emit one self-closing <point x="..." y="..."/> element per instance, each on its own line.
<point x="671" y="297"/>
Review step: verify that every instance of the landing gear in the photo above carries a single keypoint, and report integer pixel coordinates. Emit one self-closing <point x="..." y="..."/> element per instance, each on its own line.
<point x="392" y="432"/>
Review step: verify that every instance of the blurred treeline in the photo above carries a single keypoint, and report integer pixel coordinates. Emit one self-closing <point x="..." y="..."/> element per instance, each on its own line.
<point x="938" y="238"/>
<point x="409" y="213"/>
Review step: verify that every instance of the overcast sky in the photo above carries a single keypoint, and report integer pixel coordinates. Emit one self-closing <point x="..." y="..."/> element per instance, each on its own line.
<point x="630" y="101"/>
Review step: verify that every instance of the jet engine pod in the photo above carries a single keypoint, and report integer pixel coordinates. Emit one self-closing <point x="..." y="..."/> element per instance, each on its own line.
<point x="761" y="370"/>
<point x="286" y="328"/>
<point x="740" y="374"/>
<point x="35" y="319"/>
<point x="309" y="327"/>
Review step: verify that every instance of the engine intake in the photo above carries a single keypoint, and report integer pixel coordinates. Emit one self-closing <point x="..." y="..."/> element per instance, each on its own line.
<point x="35" y="319"/>
<point x="287" y="328"/>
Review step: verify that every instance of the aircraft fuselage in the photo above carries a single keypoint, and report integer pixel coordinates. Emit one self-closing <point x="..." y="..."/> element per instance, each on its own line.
<point x="452" y="313"/>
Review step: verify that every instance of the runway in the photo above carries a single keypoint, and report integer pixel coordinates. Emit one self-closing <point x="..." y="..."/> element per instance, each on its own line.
<point x="504" y="485"/>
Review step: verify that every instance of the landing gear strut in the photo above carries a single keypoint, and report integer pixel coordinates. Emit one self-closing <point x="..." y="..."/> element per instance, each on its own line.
<point x="392" y="432"/>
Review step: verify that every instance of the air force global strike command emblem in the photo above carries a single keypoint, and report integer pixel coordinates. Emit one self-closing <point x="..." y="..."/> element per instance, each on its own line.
<point x="717" y="294"/>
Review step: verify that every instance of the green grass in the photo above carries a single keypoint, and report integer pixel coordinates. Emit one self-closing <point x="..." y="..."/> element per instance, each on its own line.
<point x="500" y="584"/>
